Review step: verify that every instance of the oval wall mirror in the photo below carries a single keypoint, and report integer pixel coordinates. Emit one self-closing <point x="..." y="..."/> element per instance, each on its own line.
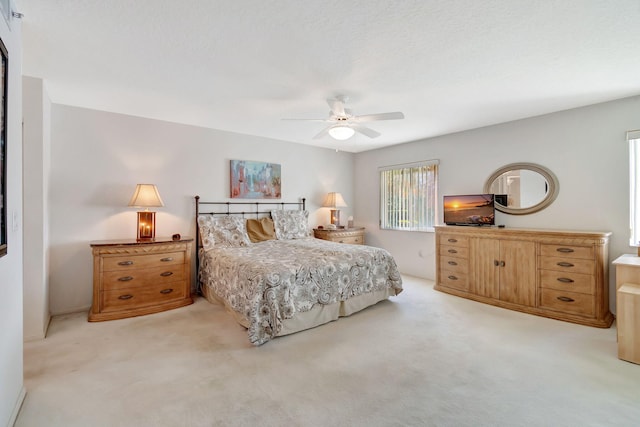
<point x="522" y="188"/>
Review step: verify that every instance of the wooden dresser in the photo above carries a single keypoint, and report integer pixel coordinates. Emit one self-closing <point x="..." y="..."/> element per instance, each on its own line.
<point x="133" y="278"/>
<point x="354" y="235"/>
<point x="558" y="274"/>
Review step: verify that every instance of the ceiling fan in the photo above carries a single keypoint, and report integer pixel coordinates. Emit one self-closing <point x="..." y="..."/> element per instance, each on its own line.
<point x="344" y="124"/>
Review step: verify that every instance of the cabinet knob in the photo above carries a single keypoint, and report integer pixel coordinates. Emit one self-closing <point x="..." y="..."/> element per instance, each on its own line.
<point x="496" y="262"/>
<point x="502" y="264"/>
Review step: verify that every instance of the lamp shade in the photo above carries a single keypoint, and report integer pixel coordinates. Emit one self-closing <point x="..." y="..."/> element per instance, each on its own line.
<point x="146" y="196"/>
<point x="334" y="200"/>
<point x="341" y="133"/>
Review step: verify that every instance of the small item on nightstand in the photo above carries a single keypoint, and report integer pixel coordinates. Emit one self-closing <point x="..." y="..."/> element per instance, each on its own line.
<point x="320" y="227"/>
<point x="175" y="237"/>
<point x="350" y="222"/>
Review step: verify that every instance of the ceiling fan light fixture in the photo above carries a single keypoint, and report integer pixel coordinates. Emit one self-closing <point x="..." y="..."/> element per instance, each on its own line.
<point x="341" y="132"/>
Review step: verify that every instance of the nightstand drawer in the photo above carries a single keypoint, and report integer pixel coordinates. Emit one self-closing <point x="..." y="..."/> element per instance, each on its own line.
<point x="121" y="299"/>
<point x="135" y="262"/>
<point x="142" y="277"/>
<point x="353" y="240"/>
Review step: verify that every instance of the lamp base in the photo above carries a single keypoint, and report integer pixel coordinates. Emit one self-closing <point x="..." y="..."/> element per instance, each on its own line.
<point x="146" y="226"/>
<point x="335" y="217"/>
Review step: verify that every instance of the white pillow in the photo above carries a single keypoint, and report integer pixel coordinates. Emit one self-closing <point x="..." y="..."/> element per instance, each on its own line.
<point x="290" y="224"/>
<point x="222" y="231"/>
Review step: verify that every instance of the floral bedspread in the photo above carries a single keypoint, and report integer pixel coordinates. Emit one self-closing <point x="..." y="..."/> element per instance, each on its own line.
<point x="270" y="281"/>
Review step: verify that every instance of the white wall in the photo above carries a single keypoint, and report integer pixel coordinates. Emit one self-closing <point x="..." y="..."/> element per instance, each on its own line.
<point x="97" y="158"/>
<point x="584" y="147"/>
<point x="11" y="367"/>
<point x="36" y="164"/>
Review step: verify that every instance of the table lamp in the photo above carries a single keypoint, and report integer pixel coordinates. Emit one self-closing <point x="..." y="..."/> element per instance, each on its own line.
<point x="146" y="196"/>
<point x="334" y="201"/>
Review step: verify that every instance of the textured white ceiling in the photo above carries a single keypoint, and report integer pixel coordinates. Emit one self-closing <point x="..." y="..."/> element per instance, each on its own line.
<point x="243" y="65"/>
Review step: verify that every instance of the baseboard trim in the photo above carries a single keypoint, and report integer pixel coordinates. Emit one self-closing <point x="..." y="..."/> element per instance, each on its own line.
<point x="17" y="407"/>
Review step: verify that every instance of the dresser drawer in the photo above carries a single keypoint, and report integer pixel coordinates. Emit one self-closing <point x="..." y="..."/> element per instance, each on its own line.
<point x="142" y="277"/>
<point x="567" y="302"/>
<point x="454" y="279"/>
<point x="454" y="240"/>
<point x="566" y="251"/>
<point x="122" y="299"/>
<point x="569" y="265"/>
<point x="134" y="262"/>
<point x="454" y="251"/>
<point x="568" y="281"/>
<point x="454" y="265"/>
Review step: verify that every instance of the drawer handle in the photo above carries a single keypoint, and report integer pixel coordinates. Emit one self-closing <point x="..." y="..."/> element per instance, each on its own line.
<point x="452" y="240"/>
<point x="565" y="250"/>
<point x="125" y="297"/>
<point x="565" y="264"/>
<point x="452" y="263"/>
<point x="167" y="259"/>
<point x="166" y="291"/>
<point x="166" y="273"/>
<point x="565" y="280"/>
<point x="125" y="278"/>
<point x="452" y="278"/>
<point x="125" y="263"/>
<point x="452" y="251"/>
<point x="566" y="299"/>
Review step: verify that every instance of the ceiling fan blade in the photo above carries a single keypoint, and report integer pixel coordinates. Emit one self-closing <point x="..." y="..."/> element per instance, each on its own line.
<point x="381" y="116"/>
<point x="337" y="106"/>
<point x="309" y="120"/>
<point x="324" y="132"/>
<point x="365" y="131"/>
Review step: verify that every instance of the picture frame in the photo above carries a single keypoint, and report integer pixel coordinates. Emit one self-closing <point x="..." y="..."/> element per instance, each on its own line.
<point x="255" y="180"/>
<point x="4" y="72"/>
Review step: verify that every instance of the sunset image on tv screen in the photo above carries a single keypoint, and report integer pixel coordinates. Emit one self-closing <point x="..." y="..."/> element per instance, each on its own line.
<point x="470" y="209"/>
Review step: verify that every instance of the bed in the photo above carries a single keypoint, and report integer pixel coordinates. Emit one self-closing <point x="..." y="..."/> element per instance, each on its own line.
<point x="261" y="263"/>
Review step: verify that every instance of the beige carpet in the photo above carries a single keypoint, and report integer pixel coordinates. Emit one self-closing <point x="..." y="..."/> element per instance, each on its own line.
<point x="423" y="358"/>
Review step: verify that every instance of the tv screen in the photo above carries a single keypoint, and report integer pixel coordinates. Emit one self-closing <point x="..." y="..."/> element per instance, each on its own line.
<point x="469" y="209"/>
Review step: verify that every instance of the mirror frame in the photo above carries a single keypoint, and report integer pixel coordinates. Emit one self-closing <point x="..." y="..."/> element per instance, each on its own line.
<point x="552" y="182"/>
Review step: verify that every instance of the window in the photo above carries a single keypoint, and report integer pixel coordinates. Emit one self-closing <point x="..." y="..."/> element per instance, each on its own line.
<point x="408" y="196"/>
<point x="634" y="188"/>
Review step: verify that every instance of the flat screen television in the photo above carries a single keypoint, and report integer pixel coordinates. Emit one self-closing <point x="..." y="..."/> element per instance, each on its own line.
<point x="469" y="209"/>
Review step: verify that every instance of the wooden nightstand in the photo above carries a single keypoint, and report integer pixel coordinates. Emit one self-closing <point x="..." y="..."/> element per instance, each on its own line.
<point x="132" y="278"/>
<point x="354" y="236"/>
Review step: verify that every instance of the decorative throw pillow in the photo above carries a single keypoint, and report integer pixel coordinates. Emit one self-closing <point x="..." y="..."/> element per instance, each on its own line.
<point x="290" y="224"/>
<point x="260" y="230"/>
<point x="223" y="231"/>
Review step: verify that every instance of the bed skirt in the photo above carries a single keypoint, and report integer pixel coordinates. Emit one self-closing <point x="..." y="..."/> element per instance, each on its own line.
<point x="318" y="315"/>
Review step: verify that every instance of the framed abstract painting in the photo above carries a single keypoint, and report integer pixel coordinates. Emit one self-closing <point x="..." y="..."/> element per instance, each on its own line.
<point x="255" y="180"/>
